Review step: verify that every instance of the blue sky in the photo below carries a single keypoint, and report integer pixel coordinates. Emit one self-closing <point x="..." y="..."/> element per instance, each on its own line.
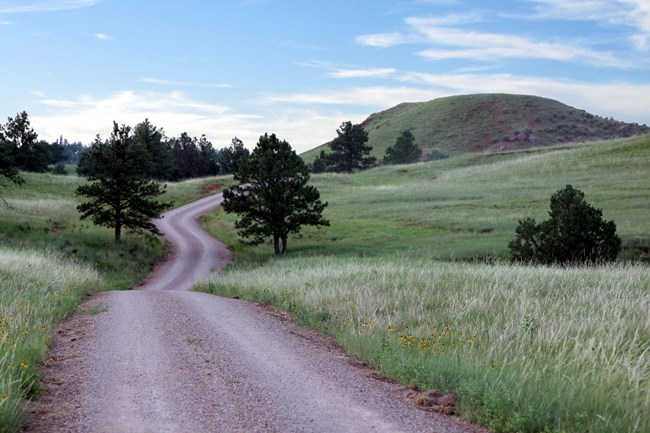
<point x="299" y="68"/>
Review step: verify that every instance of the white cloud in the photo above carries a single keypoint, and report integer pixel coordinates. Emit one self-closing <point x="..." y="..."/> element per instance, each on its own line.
<point x="83" y="117"/>
<point x="376" y="97"/>
<point x="26" y="6"/>
<point x="383" y="40"/>
<point x="363" y="73"/>
<point x="183" y="83"/>
<point x="631" y="13"/>
<point x="102" y="37"/>
<point x="491" y="46"/>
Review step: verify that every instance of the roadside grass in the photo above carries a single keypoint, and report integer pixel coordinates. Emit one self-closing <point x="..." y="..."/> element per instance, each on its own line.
<point x="39" y="289"/>
<point x="399" y="274"/>
<point x="527" y="349"/>
<point x="49" y="260"/>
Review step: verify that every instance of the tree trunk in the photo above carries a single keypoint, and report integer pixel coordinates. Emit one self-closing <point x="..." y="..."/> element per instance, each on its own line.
<point x="118" y="233"/>
<point x="276" y="244"/>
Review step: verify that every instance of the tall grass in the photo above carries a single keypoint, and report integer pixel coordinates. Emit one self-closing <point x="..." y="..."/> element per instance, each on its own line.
<point x="527" y="349"/>
<point x="37" y="290"/>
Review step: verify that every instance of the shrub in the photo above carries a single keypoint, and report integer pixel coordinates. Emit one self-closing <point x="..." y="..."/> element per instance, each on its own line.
<point x="575" y="233"/>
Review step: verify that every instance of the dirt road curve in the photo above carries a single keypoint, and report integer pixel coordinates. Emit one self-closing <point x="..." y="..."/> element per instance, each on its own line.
<point x="163" y="359"/>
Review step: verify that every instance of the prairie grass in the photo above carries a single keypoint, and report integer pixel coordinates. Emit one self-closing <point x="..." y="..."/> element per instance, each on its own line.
<point x="37" y="290"/>
<point x="395" y="279"/>
<point x="527" y="349"/>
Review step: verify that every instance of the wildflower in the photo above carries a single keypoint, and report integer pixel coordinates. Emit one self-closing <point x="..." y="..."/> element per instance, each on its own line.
<point x="24" y="365"/>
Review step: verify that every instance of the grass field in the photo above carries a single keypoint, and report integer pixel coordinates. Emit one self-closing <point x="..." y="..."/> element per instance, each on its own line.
<point x="49" y="260"/>
<point x="398" y="279"/>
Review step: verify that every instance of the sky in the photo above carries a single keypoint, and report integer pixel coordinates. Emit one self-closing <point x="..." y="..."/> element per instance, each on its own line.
<point x="300" y="68"/>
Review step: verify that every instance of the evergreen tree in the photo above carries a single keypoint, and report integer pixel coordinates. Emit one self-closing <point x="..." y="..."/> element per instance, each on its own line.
<point x="350" y="149"/>
<point x="405" y="151"/>
<point x="273" y="198"/>
<point x="207" y="157"/>
<point x="120" y="193"/>
<point x="575" y="233"/>
<point x="230" y="157"/>
<point x="160" y="163"/>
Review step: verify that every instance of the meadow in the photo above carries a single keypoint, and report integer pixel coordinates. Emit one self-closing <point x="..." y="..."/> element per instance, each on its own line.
<point x="49" y="262"/>
<point x="399" y="279"/>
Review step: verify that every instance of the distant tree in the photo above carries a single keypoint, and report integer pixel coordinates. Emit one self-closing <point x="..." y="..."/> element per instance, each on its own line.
<point x="405" y="151"/>
<point x="230" y="157"/>
<point x="160" y="164"/>
<point x="350" y="149"/>
<point x="320" y="163"/>
<point x="8" y="173"/>
<point x="273" y="198"/>
<point x="186" y="157"/>
<point x="59" y="168"/>
<point x="21" y="141"/>
<point x="120" y="193"/>
<point x="575" y="233"/>
<point x="207" y="157"/>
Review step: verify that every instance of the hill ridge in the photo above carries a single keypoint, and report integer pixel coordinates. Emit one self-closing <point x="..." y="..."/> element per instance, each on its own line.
<point x="488" y="122"/>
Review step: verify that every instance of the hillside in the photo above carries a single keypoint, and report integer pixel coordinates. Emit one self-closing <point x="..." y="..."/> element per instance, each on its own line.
<point x="473" y="123"/>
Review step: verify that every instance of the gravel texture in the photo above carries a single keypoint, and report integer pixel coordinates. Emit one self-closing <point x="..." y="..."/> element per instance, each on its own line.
<point x="163" y="359"/>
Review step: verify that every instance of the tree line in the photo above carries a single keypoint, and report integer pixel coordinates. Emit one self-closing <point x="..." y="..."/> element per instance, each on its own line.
<point x="169" y="159"/>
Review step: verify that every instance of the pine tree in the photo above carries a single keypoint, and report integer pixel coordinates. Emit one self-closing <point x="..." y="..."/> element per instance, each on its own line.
<point x="350" y="149"/>
<point x="120" y="193"/>
<point x="575" y="233"/>
<point x="405" y="151"/>
<point x="273" y="198"/>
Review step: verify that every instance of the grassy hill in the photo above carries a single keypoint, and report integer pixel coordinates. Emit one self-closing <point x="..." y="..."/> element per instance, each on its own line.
<point x="494" y="122"/>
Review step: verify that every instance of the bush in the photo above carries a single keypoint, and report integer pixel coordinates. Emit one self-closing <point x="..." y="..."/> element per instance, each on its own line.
<point x="59" y="168"/>
<point x="575" y="233"/>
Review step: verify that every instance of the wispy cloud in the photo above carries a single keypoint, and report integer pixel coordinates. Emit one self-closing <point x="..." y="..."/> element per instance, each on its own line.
<point x="102" y="37"/>
<point x="631" y="13"/>
<point x="384" y="40"/>
<point x="452" y="42"/>
<point x="363" y="73"/>
<point x="5" y="23"/>
<point x="183" y="83"/>
<point x="17" y="7"/>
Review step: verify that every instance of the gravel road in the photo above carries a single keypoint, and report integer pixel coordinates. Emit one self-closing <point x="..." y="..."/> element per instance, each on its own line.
<point x="164" y="359"/>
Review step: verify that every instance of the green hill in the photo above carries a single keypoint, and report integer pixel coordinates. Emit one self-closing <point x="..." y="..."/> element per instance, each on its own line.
<point x="492" y="122"/>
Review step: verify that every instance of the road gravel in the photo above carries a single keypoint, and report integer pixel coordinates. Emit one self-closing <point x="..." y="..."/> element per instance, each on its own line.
<point x="164" y="359"/>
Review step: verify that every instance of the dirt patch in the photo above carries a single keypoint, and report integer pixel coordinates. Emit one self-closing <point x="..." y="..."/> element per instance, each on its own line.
<point x="211" y="188"/>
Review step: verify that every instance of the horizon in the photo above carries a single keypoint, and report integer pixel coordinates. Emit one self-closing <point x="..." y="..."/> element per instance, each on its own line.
<point x="247" y="67"/>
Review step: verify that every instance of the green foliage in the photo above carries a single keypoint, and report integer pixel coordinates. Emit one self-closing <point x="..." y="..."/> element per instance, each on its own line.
<point x="405" y="151"/>
<point x="350" y="149"/>
<point x="273" y="198"/>
<point x="59" y="168"/>
<point x="575" y="233"/>
<point x="159" y="164"/>
<point x="229" y="158"/>
<point x="120" y="195"/>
